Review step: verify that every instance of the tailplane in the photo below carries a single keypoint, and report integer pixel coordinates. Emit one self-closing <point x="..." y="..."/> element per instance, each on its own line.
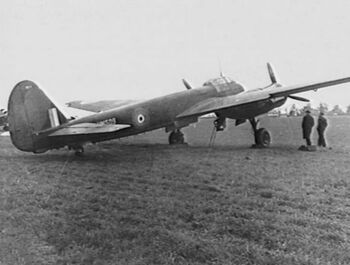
<point x="29" y="112"/>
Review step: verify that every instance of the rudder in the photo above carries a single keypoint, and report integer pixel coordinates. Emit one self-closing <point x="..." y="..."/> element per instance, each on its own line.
<point x="30" y="111"/>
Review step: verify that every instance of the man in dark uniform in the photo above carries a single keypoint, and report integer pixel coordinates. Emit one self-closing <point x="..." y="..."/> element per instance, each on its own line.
<point x="307" y="124"/>
<point x="321" y="127"/>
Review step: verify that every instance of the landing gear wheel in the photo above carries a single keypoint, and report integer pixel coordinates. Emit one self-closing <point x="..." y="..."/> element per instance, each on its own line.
<point x="176" y="137"/>
<point x="79" y="151"/>
<point x="262" y="138"/>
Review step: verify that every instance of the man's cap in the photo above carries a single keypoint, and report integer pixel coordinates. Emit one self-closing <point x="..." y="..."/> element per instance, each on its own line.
<point x="308" y="111"/>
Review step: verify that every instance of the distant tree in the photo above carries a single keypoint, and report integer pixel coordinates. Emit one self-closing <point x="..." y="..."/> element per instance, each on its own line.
<point x="323" y="107"/>
<point x="337" y="110"/>
<point x="348" y="110"/>
<point x="293" y="111"/>
<point x="305" y="108"/>
<point x="274" y="113"/>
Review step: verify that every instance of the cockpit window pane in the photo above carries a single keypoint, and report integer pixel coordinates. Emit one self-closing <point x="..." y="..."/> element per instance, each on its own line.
<point x="224" y="84"/>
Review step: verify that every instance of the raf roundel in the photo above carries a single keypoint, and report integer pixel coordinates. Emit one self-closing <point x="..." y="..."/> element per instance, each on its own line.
<point x="140" y="118"/>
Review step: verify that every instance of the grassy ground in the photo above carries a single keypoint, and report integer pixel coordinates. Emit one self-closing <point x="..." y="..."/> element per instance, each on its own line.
<point x="140" y="201"/>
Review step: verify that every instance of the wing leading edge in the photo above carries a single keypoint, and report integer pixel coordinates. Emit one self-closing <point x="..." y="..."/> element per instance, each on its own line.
<point x="285" y="91"/>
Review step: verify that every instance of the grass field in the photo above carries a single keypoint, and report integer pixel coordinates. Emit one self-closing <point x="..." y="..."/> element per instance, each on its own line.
<point x="140" y="201"/>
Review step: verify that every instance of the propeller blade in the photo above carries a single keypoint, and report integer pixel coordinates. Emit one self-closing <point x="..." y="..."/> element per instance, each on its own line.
<point x="187" y="85"/>
<point x="299" y="98"/>
<point x="272" y="74"/>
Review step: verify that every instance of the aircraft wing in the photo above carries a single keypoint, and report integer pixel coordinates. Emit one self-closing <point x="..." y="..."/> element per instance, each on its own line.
<point x="98" y="106"/>
<point x="220" y="103"/>
<point x="284" y="91"/>
<point x="84" y="129"/>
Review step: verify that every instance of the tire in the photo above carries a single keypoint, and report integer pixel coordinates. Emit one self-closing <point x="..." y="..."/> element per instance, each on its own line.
<point x="176" y="137"/>
<point x="262" y="138"/>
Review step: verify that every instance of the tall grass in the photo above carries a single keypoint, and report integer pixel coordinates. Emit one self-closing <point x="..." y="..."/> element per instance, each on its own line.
<point x="131" y="201"/>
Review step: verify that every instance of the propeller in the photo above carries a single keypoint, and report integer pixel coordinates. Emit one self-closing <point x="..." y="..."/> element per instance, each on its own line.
<point x="187" y="85"/>
<point x="299" y="98"/>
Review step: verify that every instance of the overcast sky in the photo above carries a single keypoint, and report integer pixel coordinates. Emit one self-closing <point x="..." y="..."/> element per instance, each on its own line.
<point x="125" y="49"/>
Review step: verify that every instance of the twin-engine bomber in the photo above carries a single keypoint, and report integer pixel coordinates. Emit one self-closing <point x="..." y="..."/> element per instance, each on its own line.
<point x="37" y="125"/>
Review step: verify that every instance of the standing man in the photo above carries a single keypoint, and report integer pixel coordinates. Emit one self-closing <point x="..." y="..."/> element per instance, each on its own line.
<point x="307" y="124"/>
<point x="321" y="127"/>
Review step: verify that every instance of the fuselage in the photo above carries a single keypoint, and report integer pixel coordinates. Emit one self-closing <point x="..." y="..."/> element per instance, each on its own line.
<point x="162" y="112"/>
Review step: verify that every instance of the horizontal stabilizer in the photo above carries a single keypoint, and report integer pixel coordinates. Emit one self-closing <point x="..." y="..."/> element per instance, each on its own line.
<point x="99" y="106"/>
<point x="88" y="128"/>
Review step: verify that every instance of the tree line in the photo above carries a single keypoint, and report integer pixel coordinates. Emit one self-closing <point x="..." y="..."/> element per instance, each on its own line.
<point x="322" y="107"/>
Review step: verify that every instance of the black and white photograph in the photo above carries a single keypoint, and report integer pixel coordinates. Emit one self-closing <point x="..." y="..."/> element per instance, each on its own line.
<point x="174" y="132"/>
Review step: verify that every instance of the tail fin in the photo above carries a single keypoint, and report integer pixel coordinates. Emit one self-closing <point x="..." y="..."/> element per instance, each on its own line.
<point x="31" y="111"/>
<point x="272" y="74"/>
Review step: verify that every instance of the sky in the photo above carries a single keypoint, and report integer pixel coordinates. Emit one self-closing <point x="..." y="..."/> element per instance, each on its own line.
<point x="136" y="49"/>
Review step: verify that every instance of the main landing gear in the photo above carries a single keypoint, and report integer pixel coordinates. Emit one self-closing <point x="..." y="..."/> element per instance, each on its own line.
<point x="220" y="124"/>
<point x="261" y="136"/>
<point x="176" y="137"/>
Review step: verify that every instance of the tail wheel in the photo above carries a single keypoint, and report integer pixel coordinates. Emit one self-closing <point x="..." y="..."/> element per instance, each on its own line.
<point x="176" y="137"/>
<point x="79" y="151"/>
<point x="262" y="137"/>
